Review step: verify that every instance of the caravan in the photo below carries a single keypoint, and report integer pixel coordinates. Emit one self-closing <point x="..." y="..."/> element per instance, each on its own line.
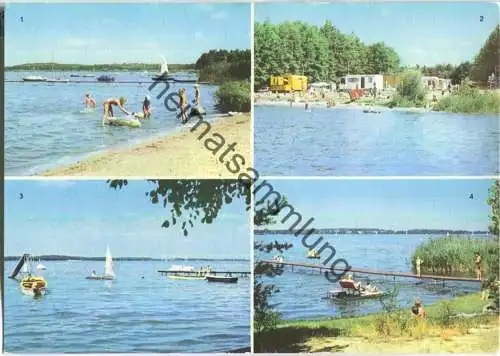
<point x="362" y="81"/>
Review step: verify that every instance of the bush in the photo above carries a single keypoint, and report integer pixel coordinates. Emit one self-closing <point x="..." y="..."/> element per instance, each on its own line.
<point x="470" y="100"/>
<point x="445" y="314"/>
<point x="411" y="89"/>
<point x="233" y="96"/>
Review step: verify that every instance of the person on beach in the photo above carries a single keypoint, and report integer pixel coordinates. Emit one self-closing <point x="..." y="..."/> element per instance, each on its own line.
<point x="477" y="262"/>
<point x="109" y="103"/>
<point x="89" y="101"/>
<point x="417" y="310"/>
<point x="183" y="105"/>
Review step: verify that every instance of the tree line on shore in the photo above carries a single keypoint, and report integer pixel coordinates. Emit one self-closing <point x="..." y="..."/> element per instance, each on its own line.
<point x="323" y="53"/>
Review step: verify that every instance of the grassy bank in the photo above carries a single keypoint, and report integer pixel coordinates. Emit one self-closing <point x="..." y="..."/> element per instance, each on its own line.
<point x="455" y="255"/>
<point x="447" y="329"/>
<point x="471" y="100"/>
<point x="119" y="67"/>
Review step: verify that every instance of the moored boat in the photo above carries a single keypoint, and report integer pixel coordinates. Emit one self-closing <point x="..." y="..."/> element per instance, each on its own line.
<point x="222" y="279"/>
<point x="105" y="78"/>
<point x="34" y="78"/>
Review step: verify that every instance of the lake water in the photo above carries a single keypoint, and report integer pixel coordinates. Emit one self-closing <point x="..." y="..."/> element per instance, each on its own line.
<point x="340" y="142"/>
<point x="302" y="293"/>
<point x="45" y="126"/>
<point x="130" y="314"/>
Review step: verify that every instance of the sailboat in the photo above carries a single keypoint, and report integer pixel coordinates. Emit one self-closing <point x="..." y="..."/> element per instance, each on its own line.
<point x="109" y="274"/>
<point x="40" y="266"/>
<point x="163" y="74"/>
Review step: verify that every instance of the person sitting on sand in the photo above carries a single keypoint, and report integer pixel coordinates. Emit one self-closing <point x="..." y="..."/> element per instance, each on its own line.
<point x="418" y="309"/>
<point x="147" y="110"/>
<point x="108" y="106"/>
<point x="89" y="101"/>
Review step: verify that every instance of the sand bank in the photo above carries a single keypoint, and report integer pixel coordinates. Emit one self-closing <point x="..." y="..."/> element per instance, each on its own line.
<point x="181" y="155"/>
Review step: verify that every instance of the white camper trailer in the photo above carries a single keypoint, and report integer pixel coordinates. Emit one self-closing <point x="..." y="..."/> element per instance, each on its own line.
<point x="362" y="81"/>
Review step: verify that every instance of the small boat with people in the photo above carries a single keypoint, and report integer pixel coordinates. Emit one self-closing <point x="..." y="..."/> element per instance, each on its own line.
<point x="228" y="278"/>
<point x="188" y="272"/>
<point x="313" y="254"/>
<point x="34" y="286"/>
<point x="278" y="258"/>
<point x="109" y="274"/>
<point x="352" y="290"/>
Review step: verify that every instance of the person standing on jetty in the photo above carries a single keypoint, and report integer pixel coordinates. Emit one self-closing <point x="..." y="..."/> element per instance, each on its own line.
<point x="477" y="262"/>
<point x="418" y="262"/>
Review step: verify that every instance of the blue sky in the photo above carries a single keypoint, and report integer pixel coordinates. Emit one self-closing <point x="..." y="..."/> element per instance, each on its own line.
<point x="422" y="33"/>
<point x="82" y="217"/>
<point x="394" y="204"/>
<point x="115" y="33"/>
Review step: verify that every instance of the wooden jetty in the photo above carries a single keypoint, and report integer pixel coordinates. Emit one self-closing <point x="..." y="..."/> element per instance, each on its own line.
<point x="232" y="273"/>
<point x="374" y="272"/>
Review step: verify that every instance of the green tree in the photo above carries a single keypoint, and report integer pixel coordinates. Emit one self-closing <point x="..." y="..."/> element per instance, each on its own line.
<point x="494" y="202"/>
<point x="486" y="61"/>
<point x="381" y="59"/>
<point x="460" y="72"/>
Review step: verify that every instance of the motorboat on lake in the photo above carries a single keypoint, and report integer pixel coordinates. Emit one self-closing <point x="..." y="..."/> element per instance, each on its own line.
<point x="34" y="286"/>
<point x="222" y="279"/>
<point x="105" y="78"/>
<point x="187" y="273"/>
<point x="34" y="78"/>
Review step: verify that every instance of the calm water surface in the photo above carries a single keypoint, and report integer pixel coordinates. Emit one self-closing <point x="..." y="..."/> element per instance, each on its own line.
<point x="290" y="141"/>
<point x="130" y="314"/>
<point x="45" y="126"/>
<point x="302" y="293"/>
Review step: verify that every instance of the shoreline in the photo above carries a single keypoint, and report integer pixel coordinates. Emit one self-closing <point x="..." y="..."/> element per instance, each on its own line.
<point x="351" y="106"/>
<point x="358" y="334"/>
<point x="176" y="155"/>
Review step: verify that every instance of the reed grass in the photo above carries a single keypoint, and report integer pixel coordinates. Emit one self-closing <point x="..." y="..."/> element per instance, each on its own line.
<point x="454" y="255"/>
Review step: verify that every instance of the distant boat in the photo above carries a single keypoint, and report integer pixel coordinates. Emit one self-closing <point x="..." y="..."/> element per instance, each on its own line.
<point x="40" y="266"/>
<point x="75" y="75"/>
<point x="313" y="254"/>
<point x="109" y="274"/>
<point x="222" y="279"/>
<point x="88" y="75"/>
<point x="57" y="80"/>
<point x="34" y="78"/>
<point x="105" y="78"/>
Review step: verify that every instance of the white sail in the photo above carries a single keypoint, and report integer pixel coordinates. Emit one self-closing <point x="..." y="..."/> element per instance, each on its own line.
<point x="108" y="267"/>
<point x="163" y="66"/>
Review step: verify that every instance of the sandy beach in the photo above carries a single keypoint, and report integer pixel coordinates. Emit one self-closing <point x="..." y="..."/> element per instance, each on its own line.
<point x="181" y="155"/>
